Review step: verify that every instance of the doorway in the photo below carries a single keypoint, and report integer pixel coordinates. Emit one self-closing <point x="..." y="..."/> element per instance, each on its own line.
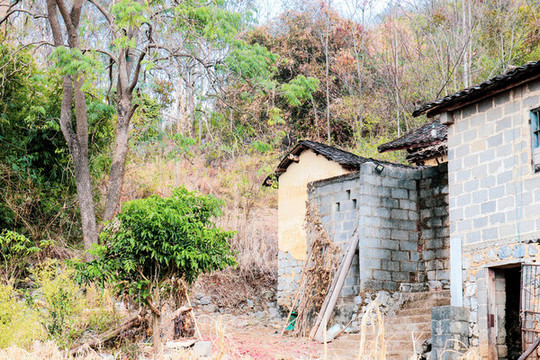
<point x="504" y="312"/>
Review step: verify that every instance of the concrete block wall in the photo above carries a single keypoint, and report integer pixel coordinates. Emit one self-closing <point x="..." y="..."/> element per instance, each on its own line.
<point x="388" y="250"/>
<point x="337" y="201"/>
<point x="397" y="245"/>
<point x="434" y="226"/>
<point x="494" y="194"/>
<point x="494" y="190"/>
<point x="449" y="331"/>
<point x="401" y="216"/>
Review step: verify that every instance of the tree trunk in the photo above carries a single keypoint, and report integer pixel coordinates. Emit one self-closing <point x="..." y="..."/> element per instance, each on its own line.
<point x="327" y="71"/>
<point x="77" y="139"/>
<point x="156" y="335"/>
<point x="116" y="178"/>
<point x="156" y="324"/>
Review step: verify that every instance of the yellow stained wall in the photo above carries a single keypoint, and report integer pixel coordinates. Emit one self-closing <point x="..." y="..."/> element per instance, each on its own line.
<point x="292" y="197"/>
<point x="433" y="162"/>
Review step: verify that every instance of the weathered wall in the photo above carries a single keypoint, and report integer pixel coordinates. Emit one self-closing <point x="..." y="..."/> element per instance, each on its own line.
<point x="292" y="197"/>
<point x="434" y="226"/>
<point x="494" y="192"/>
<point x="402" y="219"/>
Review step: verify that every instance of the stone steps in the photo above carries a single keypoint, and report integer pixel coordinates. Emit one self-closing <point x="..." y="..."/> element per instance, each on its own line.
<point x="413" y="319"/>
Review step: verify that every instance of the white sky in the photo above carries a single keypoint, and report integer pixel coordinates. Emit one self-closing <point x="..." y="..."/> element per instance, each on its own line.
<point x="270" y="9"/>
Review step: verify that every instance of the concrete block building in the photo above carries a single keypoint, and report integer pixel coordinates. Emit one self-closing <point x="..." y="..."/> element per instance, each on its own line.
<point x="470" y="222"/>
<point x="494" y="208"/>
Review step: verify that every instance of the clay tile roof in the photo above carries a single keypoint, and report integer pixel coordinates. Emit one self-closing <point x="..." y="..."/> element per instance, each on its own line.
<point x="346" y="159"/>
<point x="429" y="152"/>
<point x="511" y="78"/>
<point x="427" y="135"/>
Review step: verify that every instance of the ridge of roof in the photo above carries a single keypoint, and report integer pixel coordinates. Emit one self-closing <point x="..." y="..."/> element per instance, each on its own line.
<point x="428" y="134"/>
<point x="344" y="158"/>
<point x="510" y="78"/>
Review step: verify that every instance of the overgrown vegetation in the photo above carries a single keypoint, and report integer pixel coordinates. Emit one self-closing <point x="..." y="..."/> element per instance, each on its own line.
<point x="200" y="98"/>
<point x="156" y="244"/>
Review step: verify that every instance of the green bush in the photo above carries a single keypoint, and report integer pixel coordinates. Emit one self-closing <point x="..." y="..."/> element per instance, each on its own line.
<point x="155" y="241"/>
<point x="69" y="309"/>
<point x="19" y="323"/>
<point x="16" y="252"/>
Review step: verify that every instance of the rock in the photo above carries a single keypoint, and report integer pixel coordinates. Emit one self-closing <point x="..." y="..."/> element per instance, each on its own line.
<point x="273" y="312"/>
<point x="199" y="296"/>
<point x="211" y="308"/>
<point x="202" y="348"/>
<point x="205" y="300"/>
<point x="179" y="344"/>
<point x="106" y="356"/>
<point x="259" y="314"/>
<point x="357" y="300"/>
<point x="250" y="303"/>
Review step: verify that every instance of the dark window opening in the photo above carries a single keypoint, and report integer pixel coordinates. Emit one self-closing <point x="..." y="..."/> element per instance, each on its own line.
<point x="337" y="206"/>
<point x="354" y="203"/>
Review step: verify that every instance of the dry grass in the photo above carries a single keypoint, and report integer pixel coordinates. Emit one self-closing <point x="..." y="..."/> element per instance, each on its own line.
<point x="44" y="351"/>
<point x="372" y="344"/>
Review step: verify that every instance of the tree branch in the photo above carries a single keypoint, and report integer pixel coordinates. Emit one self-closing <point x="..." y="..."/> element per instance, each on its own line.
<point x="11" y="12"/>
<point x="104" y="52"/>
<point x="107" y="16"/>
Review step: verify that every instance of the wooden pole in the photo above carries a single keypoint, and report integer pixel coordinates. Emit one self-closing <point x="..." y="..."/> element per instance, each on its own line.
<point x="334" y="294"/>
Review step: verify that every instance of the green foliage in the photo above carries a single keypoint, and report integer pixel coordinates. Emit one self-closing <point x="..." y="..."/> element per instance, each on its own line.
<point x="38" y="191"/>
<point x="75" y="63"/>
<point x="300" y="89"/>
<point x="70" y="309"/>
<point x="128" y="14"/>
<point x="16" y="252"/>
<point x="262" y="147"/>
<point x="155" y="239"/>
<point x="253" y="63"/>
<point x="19" y="324"/>
<point x="210" y="20"/>
<point x="182" y="146"/>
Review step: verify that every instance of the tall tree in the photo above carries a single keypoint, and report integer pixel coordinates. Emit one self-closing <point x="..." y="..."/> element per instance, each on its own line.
<point x="130" y="38"/>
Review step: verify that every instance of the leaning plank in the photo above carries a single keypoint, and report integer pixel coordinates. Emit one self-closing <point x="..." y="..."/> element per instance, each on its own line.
<point x="335" y="289"/>
<point x="126" y="325"/>
<point x="327" y="298"/>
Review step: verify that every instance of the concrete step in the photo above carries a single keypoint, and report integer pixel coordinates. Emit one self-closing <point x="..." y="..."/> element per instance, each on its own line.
<point x="413" y="319"/>
<point x="416" y="296"/>
<point x="409" y="319"/>
<point x="422" y="307"/>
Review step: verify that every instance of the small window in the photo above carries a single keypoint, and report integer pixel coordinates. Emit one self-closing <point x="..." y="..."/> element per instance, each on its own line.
<point x="535" y="134"/>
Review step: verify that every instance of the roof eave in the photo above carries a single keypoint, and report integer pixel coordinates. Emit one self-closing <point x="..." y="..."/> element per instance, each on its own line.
<point x="460" y="102"/>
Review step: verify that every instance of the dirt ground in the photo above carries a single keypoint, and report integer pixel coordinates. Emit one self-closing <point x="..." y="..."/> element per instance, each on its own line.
<point x="248" y="337"/>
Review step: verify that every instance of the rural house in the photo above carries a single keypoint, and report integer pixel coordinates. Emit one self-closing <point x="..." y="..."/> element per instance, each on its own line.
<point x="470" y="223"/>
<point x="494" y="208"/>
<point x="398" y="213"/>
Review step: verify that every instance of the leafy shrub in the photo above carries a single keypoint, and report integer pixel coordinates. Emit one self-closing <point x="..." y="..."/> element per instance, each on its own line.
<point x="70" y="309"/>
<point x="15" y="255"/>
<point x="156" y="241"/>
<point x="156" y="238"/>
<point x="19" y="324"/>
